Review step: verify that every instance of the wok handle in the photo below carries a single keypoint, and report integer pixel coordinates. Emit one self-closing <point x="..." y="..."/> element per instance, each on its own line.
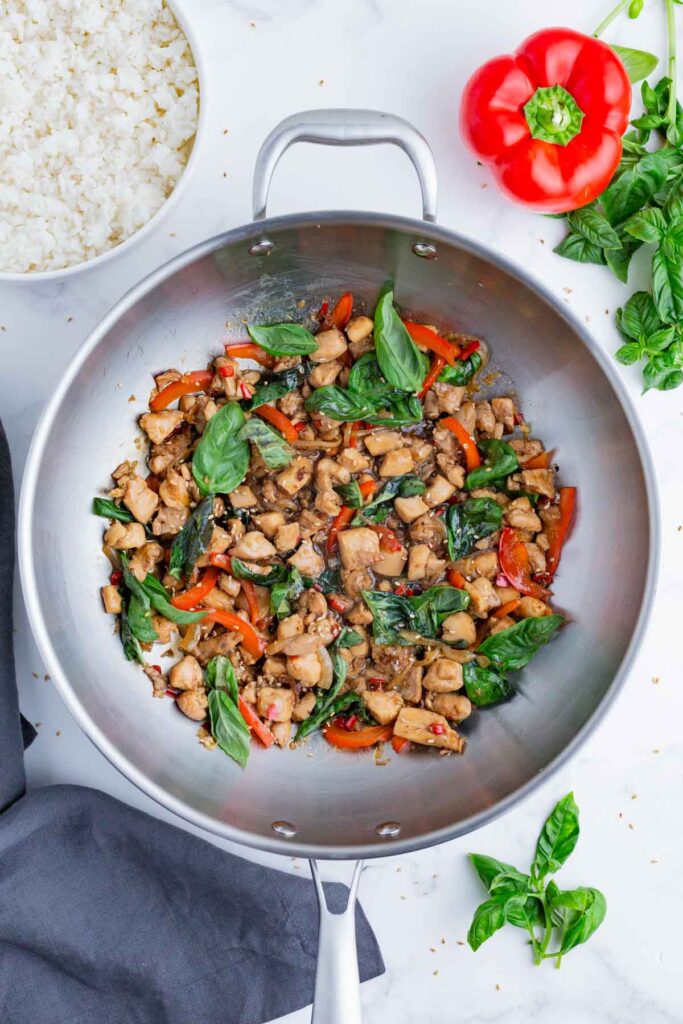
<point x="337" y="984"/>
<point x="345" y="127"/>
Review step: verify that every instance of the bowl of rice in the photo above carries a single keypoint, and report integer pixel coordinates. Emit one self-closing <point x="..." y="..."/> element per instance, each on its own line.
<point x="100" y="123"/>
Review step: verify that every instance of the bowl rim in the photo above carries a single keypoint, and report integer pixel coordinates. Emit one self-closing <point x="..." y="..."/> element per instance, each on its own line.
<point x="177" y="8"/>
<point x="290" y="847"/>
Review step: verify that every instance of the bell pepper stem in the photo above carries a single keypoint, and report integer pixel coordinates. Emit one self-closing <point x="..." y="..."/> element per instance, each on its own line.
<point x="607" y="21"/>
<point x="671" y="33"/>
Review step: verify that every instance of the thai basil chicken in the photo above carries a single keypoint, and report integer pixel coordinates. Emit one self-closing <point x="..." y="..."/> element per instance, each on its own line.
<point x="335" y="531"/>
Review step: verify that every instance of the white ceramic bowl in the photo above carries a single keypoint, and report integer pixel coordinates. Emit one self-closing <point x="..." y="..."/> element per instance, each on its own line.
<point x="59" y="274"/>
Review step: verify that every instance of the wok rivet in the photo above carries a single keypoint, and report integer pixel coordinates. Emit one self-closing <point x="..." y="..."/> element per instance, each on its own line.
<point x="284" y="828"/>
<point x="262" y="248"/>
<point x="425" y="250"/>
<point x="388" y="829"/>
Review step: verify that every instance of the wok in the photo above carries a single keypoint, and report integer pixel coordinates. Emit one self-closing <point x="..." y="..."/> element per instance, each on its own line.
<point x="333" y="805"/>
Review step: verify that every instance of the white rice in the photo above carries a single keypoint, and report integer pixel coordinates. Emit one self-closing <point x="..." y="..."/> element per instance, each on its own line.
<point x="98" y="109"/>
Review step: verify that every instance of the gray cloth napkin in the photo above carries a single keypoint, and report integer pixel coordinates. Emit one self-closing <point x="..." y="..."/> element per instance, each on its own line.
<point x="108" y="916"/>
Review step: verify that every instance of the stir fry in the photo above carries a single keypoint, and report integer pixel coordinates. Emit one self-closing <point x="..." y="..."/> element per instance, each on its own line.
<point x="344" y="539"/>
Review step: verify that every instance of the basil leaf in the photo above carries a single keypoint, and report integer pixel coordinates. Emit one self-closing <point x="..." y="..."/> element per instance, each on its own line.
<point x="399" y="358"/>
<point x="272" y="447"/>
<point x="663" y="371"/>
<point x="140" y="620"/>
<point x="587" y="920"/>
<point x="350" y="494"/>
<point x="635" y="187"/>
<point x="660" y="340"/>
<point x="219" y="674"/>
<point x="242" y="571"/>
<point x="510" y="880"/>
<point x="348" y="638"/>
<point x="429" y="609"/>
<point x="108" y="509"/>
<point x="485" y="686"/>
<point x="365" y="377"/>
<point x="667" y="281"/>
<point x="594" y="227"/>
<point x="285" y="592"/>
<point x="329" y="708"/>
<point x="228" y="728"/>
<point x="575" y="247"/>
<point x="276" y="385"/>
<point x="131" y="646"/>
<point x="463" y="371"/>
<point x="647" y="225"/>
<point x="193" y="540"/>
<point x="284" y="339"/>
<point x="405" y="486"/>
<point x="339" y="404"/>
<point x="490" y="916"/>
<point x="470" y="521"/>
<point x="513" y="648"/>
<point x="221" y="459"/>
<point x="329" y="581"/>
<point x="619" y="260"/>
<point x="488" y="868"/>
<point x="638" y="63"/>
<point x="628" y="354"/>
<point x="390" y="614"/>
<point x="638" y="319"/>
<point x="401" y="410"/>
<point x="526" y="915"/>
<point x="159" y="600"/>
<point x="558" y="837"/>
<point x="500" y="459"/>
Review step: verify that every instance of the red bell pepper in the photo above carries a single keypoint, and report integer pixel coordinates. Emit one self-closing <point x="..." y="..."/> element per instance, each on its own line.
<point x="341" y="314"/>
<point x="437" y="365"/>
<point x="388" y="541"/>
<point x="540" y="461"/>
<point x="248" y="350"/>
<point x="345" y="516"/>
<point x="261" y="731"/>
<point x="456" y="579"/>
<point x="338" y="736"/>
<point x="507" y="608"/>
<point x="253" y="643"/>
<point x="548" y="119"/>
<point x="399" y="744"/>
<point x="467" y="443"/>
<point x="195" y="595"/>
<point x="556" y="531"/>
<point x="514" y="561"/>
<point x="279" y="421"/>
<point x="425" y="336"/>
<point x="198" y="380"/>
<point x="469" y="350"/>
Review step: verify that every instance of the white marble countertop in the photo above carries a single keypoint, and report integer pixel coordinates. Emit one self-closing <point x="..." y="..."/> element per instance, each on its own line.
<point x="267" y="60"/>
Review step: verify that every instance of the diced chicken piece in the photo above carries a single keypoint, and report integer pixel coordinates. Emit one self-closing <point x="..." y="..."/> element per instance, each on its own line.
<point x="157" y="680"/>
<point x="111" y="598"/>
<point x="410" y="509"/>
<point x="526" y="448"/>
<point x="396" y="463"/>
<point x="174" y="449"/>
<point x="293" y="625"/>
<point x="275" y="705"/>
<point x="392" y="659"/>
<point x="382" y="441"/>
<point x="355" y="580"/>
<point x="383" y="706"/>
<point x="459" y="629"/>
<point x="222" y="539"/>
<point x="312" y="604"/>
<point x="292" y="405"/>
<point x="532" y="608"/>
<point x="484" y="563"/>
<point x="358" y="547"/>
<point x="124" y="536"/>
<point x="428" y="728"/>
<point x="446" y="442"/>
<point x="307" y="560"/>
<point x="169" y="521"/>
<point x="324" y="374"/>
<point x="287" y="537"/>
<point x="538" y="481"/>
<point x="174" y="490"/>
<point x="439" y="491"/>
<point x="504" y="411"/>
<point x="303" y="707"/>
<point x="145" y="559"/>
<point x="359" y="328"/>
<point x="485" y="421"/>
<point x="448" y="396"/>
<point x="353" y="460"/>
<point x="428" y="529"/>
<point x="140" y="499"/>
<point x="362" y="649"/>
<point x="328" y="502"/>
<point x="488" y="492"/>
<point x="253" y="546"/>
<point x="311" y="522"/>
<point x="467" y="415"/>
<point x="273" y="668"/>
<point x="520" y="514"/>
<point x="359" y="348"/>
<point x="497" y="625"/>
<point x="409" y="684"/>
<point x="166" y="377"/>
<point x="305" y="668"/>
<point x="328" y="471"/>
<point x="537" y="561"/>
<point x="392" y="564"/>
<point x="360" y="614"/>
<point x="194" y="704"/>
<point x="443" y="676"/>
<point x="483" y="597"/>
<point x="165" y="629"/>
<point x="282" y="731"/>
<point x="330" y="345"/>
<point x="160" y="425"/>
<point x="186" y="674"/>
<point x="269" y="523"/>
<point x="452" y="706"/>
<point x="417" y="561"/>
<point x="454" y="474"/>
<point x="297" y="474"/>
<point x="507" y="594"/>
<point x="243" y="497"/>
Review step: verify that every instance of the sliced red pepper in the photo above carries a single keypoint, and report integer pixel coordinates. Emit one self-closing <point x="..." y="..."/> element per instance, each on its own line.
<point x="221" y="561"/>
<point x="436" y="366"/>
<point x="514" y="561"/>
<point x="261" y="731"/>
<point x="540" y="461"/>
<point x="388" y="541"/>
<point x="467" y="443"/>
<point x="340" y="737"/>
<point x="248" y="350"/>
<point x="345" y="516"/>
<point x="367" y="488"/>
<point x="336" y="605"/>
<point x="430" y="339"/>
<point x="322" y="312"/>
<point x="341" y="314"/>
<point x="252" y="604"/>
<point x="469" y="350"/>
<point x="198" y="380"/>
<point x="279" y="421"/>
<point x="116" y="577"/>
<point x="195" y="595"/>
<point x="399" y="744"/>
<point x="456" y="579"/>
<point x="556" y="531"/>
<point x="505" y="609"/>
<point x="253" y="643"/>
<point x="226" y="371"/>
<point x="301" y="425"/>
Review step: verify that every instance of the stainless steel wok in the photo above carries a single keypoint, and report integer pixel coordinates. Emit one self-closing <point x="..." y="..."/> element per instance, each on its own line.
<point x="334" y="805"/>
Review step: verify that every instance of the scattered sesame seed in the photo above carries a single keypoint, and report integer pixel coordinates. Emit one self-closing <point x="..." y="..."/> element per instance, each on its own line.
<point x="252" y="24"/>
<point x="460" y="942"/>
<point x="631" y="825"/>
<point x="35" y="675"/>
<point x="132" y="398"/>
<point x="37" y="724"/>
<point x="497" y="988"/>
<point x="654" y="861"/>
<point x="59" y="732"/>
<point x="321" y="82"/>
<point x="69" y="319"/>
<point x="435" y="973"/>
<point x="432" y="949"/>
<point x="634" y="796"/>
<point x="621" y="814"/>
<point x="655" y="679"/>
<point x="542" y="241"/>
<point x="656" y="750"/>
<point x="404" y="897"/>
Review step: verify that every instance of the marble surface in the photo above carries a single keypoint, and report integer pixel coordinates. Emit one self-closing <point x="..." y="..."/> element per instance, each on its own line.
<point x="265" y="60"/>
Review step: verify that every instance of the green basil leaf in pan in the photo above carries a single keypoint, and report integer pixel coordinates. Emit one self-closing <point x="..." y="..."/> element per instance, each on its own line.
<point x="331" y="705"/>
<point x="140" y="620"/>
<point x="328" y="582"/>
<point x="284" y="339"/>
<point x="390" y="614"/>
<point x="221" y="459"/>
<point x="401" y="410"/>
<point x="108" y="509"/>
<point x="283" y="594"/>
<point x="513" y="648"/>
<point x="500" y="459"/>
<point x="339" y="404"/>
<point x="131" y="646"/>
<point x="400" y="360"/>
<point x="377" y="509"/>
<point x="272" y="447"/>
<point x="463" y="371"/>
<point x="219" y="674"/>
<point x="348" y="638"/>
<point x="470" y="521"/>
<point x="272" y="386"/>
<point x="365" y="377"/>
<point x="228" y="727"/>
<point x="350" y="494"/>
<point x="242" y="571"/>
<point x="485" y="685"/>
<point x="193" y="540"/>
<point x="159" y="599"/>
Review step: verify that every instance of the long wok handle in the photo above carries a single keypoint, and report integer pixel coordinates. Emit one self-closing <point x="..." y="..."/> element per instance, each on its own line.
<point x="345" y="127"/>
<point x="337" y="985"/>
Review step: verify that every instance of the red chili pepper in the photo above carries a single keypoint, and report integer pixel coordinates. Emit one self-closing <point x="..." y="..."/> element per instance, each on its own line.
<point x="341" y="314"/>
<point x="198" y="380"/>
<point x="514" y="561"/>
<point x="425" y="336"/>
<point x="399" y="744"/>
<point x="157" y="668"/>
<point x="556" y="531"/>
<point x="301" y="425"/>
<point x="467" y="443"/>
<point x="195" y="595"/>
<point x="116" y="577"/>
<point x="456" y="579"/>
<point x="170" y="692"/>
<point x="251" y="640"/>
<point x="248" y="350"/>
<point x="469" y="350"/>
<point x="367" y="488"/>
<point x="226" y="371"/>
<point x="376" y="681"/>
<point x="502" y="580"/>
<point x="338" y="736"/>
<point x="336" y="605"/>
<point x="435" y="368"/>
<point x="322" y="312"/>
<point x="350" y="722"/>
<point x="388" y="541"/>
<point x="548" y="119"/>
<point x="221" y="561"/>
<point x="245" y="390"/>
<point x="255" y="724"/>
<point x="437" y="728"/>
<point x="279" y="421"/>
<point x="249" y="592"/>
<point x="345" y="516"/>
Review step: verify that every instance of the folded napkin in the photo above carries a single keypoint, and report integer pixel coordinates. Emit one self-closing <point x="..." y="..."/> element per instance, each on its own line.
<point x="108" y="916"/>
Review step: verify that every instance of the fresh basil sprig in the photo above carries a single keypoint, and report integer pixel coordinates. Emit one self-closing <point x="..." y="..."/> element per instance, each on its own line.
<point x="221" y="459"/>
<point x="108" y="509"/>
<point x="131" y="644"/>
<point x="470" y="521"/>
<point x="424" y="613"/>
<point x="193" y="540"/>
<point x="500" y="459"/>
<point x="228" y="727"/>
<point x="284" y="339"/>
<point x="400" y="360"/>
<point x="272" y="446"/>
<point x="526" y="901"/>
